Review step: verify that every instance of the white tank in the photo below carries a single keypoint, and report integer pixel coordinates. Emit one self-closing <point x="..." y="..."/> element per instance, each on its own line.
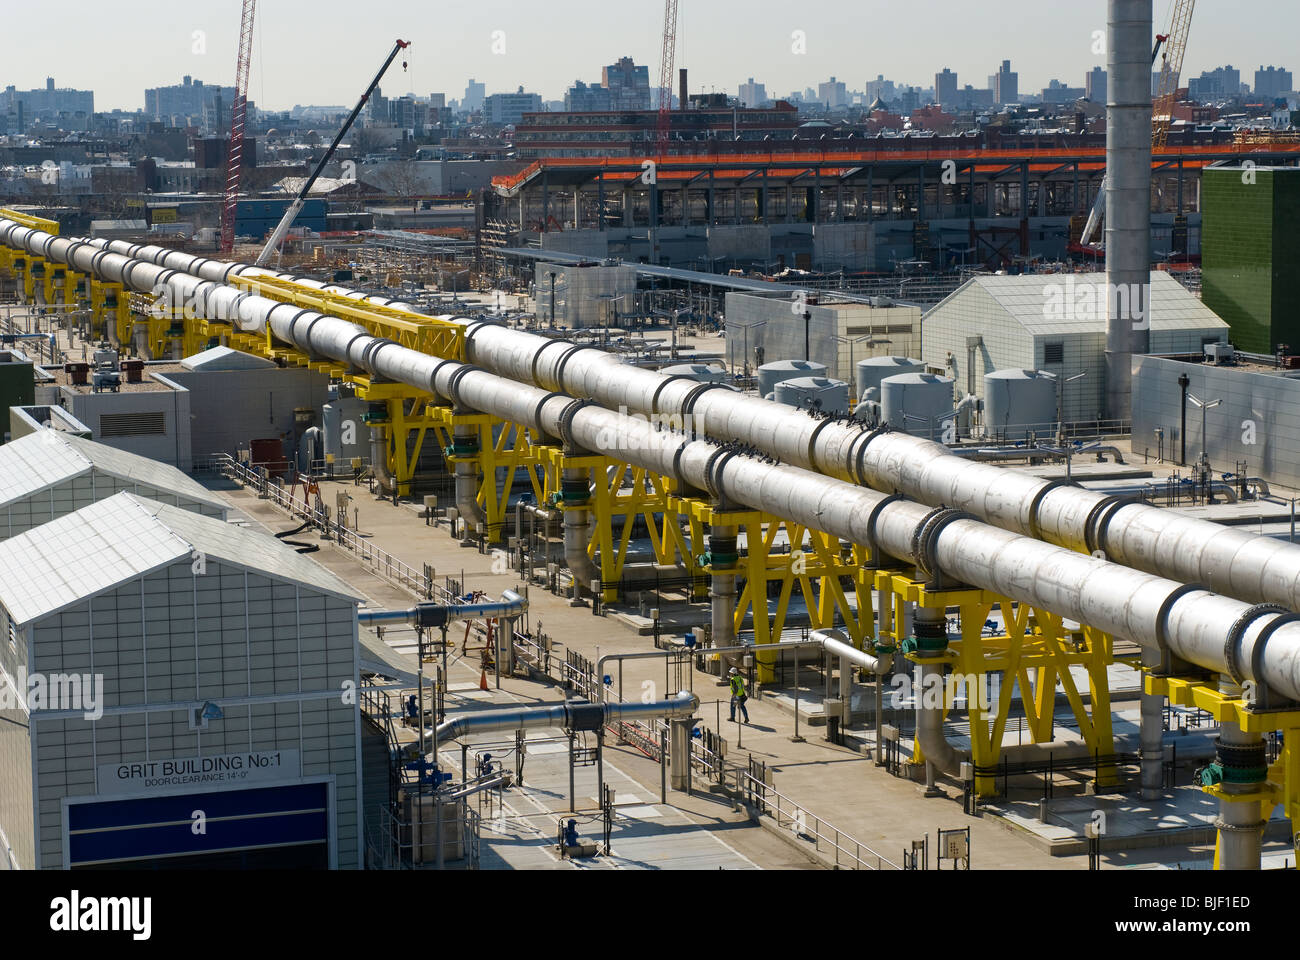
<point x="814" y="393"/>
<point x="770" y="374"/>
<point x="340" y="423"/>
<point x="925" y="398"/>
<point x="1017" y="401"/>
<point x="703" y="372"/>
<point x="872" y="370"/>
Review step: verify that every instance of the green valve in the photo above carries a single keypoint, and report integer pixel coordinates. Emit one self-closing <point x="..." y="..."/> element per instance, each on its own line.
<point x="1211" y="775"/>
<point x="909" y="645"/>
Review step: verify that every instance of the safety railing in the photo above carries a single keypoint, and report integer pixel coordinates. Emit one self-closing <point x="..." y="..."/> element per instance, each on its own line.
<point x="829" y="841"/>
<point x="380" y="562"/>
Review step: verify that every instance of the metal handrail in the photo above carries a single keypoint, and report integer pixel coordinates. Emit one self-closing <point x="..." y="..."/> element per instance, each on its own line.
<point x="807" y="824"/>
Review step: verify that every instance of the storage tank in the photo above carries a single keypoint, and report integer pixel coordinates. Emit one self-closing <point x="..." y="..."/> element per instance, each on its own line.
<point x="925" y="398"/>
<point x="814" y="393"/>
<point x="1016" y="401"/>
<point x="872" y="370"/>
<point x="703" y="372"/>
<point x="770" y="374"/>
<point x="346" y="436"/>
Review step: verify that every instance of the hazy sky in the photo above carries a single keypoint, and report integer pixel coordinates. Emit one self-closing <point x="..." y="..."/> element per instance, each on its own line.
<point x="325" y="51"/>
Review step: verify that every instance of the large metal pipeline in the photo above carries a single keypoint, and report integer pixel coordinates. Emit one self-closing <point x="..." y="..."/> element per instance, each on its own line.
<point x="1189" y="623"/>
<point x="1229" y="561"/>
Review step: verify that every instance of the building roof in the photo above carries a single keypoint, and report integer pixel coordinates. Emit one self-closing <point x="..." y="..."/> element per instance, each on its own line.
<point x="47" y="458"/>
<point x="1056" y="303"/>
<point x="226" y="358"/>
<point x="112" y="542"/>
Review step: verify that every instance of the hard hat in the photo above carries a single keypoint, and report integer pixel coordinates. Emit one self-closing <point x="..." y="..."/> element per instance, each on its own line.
<point x="733" y="670"/>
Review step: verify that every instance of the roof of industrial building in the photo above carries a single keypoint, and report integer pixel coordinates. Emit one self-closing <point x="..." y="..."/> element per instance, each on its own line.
<point x="115" y="541"/>
<point x="226" y="358"/>
<point x="48" y="458"/>
<point x="1029" y="299"/>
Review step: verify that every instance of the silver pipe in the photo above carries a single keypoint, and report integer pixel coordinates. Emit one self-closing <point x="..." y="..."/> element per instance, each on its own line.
<point x="1241" y="832"/>
<point x="722" y="586"/>
<point x="1226" y="560"/>
<point x="1151" y="735"/>
<point x="1128" y="198"/>
<point x="568" y="715"/>
<point x="379" y="461"/>
<point x="577" y="535"/>
<point x="1146" y="609"/>
<point x="468" y="481"/>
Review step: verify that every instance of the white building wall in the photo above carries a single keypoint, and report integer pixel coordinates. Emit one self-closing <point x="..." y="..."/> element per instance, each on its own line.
<point x="176" y="637"/>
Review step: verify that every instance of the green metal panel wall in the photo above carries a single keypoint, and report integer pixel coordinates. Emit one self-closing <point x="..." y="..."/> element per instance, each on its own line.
<point x="1251" y="255"/>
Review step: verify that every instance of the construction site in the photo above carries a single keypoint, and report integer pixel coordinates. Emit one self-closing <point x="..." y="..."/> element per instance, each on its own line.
<point x="962" y="478"/>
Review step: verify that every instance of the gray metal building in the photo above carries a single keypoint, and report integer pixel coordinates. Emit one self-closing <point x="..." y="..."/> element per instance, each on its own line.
<point x="835" y="334"/>
<point x="1055" y="323"/>
<point x="1257" y="422"/>
<point x="189" y="697"/>
<point x="49" y="474"/>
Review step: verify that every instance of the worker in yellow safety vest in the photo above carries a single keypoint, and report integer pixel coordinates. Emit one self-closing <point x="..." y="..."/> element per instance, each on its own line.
<point x="738" y="695"/>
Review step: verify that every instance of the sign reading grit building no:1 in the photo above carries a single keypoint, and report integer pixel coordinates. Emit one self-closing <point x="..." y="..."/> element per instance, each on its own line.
<point x="186" y="773"/>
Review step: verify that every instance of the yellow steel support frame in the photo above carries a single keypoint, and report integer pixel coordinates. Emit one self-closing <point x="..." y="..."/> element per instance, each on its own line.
<point x="814" y="562"/>
<point x="503" y="450"/>
<point x="1282" y="785"/>
<point x="1033" y="642"/>
<point x="650" y="497"/>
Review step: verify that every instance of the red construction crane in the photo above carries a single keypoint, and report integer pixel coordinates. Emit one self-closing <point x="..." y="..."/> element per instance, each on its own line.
<point x="666" y="62"/>
<point x="238" y="114"/>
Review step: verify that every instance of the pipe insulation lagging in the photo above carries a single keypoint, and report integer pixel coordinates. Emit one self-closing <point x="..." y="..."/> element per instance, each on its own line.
<point x="1141" y="607"/>
<point x="1229" y="561"/>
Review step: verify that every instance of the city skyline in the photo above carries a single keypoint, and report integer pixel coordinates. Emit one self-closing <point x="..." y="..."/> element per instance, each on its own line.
<point x="836" y="42"/>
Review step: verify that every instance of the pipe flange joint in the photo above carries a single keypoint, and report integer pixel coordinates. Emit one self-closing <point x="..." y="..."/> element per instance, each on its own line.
<point x="926" y="537"/>
<point x="1241" y="762"/>
<point x="1094" y="528"/>
<point x="1035" y="528"/>
<point x="585" y="716"/>
<point x="858" y="453"/>
<point x="930" y="638"/>
<point x="872" y="541"/>
<point x="541" y="404"/>
<point x="713" y="472"/>
<point x="575" y="491"/>
<point x="453" y="383"/>
<point x="1162" y="622"/>
<point x="1238" y="630"/>
<point x="565" y="423"/>
<point x="689" y="401"/>
<point x="1263" y="695"/>
<point x="433" y="377"/>
<point x="812" y="440"/>
<point x="723" y="552"/>
<point x="672" y="377"/>
<point x="371" y="350"/>
<point x="537" y="361"/>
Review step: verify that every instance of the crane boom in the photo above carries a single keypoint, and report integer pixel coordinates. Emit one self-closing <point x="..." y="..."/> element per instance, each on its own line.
<point x="238" y="117"/>
<point x="667" y="61"/>
<point x="296" y="207"/>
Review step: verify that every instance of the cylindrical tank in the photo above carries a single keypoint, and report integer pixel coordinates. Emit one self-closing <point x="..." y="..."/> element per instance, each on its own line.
<point x="345" y="435"/>
<point x="917" y="403"/>
<point x="819" y="393"/>
<point x="703" y="372"/>
<point x="872" y="370"/>
<point x="1017" y="401"/>
<point x="770" y="374"/>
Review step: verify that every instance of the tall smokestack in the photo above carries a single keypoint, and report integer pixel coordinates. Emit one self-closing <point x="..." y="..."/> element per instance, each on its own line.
<point x="681" y="89"/>
<point x="1128" y="198"/>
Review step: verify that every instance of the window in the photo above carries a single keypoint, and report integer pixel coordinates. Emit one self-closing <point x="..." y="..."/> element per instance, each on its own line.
<point x="150" y="423"/>
<point x="1053" y="353"/>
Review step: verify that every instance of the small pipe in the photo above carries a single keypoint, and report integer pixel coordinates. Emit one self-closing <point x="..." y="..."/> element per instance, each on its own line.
<point x="564" y="715"/>
<point x="379" y="461"/>
<point x="426" y="615"/>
